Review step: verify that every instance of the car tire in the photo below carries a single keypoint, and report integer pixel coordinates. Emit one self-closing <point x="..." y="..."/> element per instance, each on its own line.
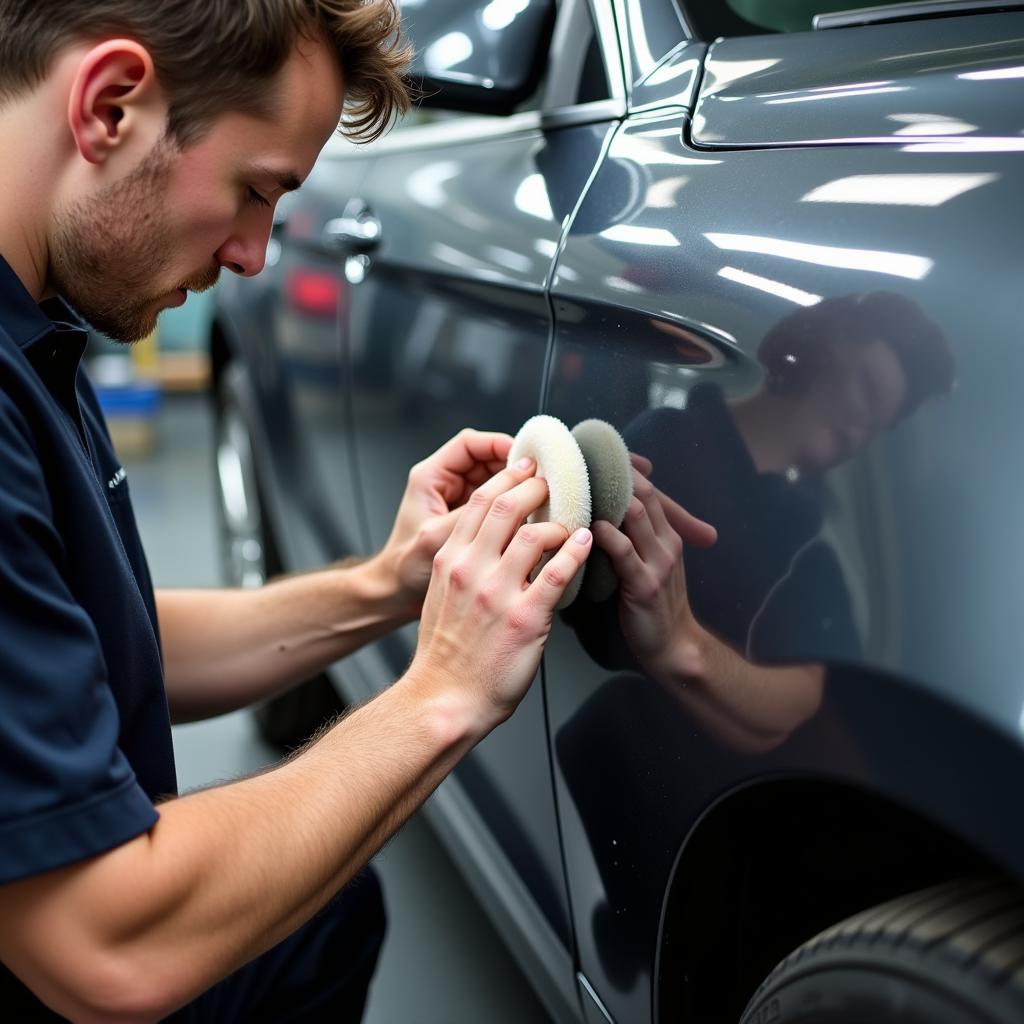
<point x="951" y="954"/>
<point x="250" y="557"/>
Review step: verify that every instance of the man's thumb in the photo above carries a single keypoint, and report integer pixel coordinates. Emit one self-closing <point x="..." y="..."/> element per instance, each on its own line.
<point x="439" y="528"/>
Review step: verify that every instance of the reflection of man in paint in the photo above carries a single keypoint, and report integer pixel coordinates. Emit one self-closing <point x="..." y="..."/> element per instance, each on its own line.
<point x="838" y="374"/>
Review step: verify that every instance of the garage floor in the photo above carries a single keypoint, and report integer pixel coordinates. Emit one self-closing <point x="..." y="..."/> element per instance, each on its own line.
<point x="442" y="962"/>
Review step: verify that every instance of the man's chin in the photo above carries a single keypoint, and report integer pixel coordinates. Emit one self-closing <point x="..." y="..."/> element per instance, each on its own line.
<point x="126" y="331"/>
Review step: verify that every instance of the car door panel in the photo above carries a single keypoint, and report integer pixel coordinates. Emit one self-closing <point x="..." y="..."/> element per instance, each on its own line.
<point x="285" y="322"/>
<point x="450" y="328"/>
<point x="674" y="271"/>
<point x="656" y="274"/>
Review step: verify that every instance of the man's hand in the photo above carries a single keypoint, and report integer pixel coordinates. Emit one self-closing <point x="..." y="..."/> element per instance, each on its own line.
<point x="646" y="553"/>
<point x="437" y="489"/>
<point x="749" y="707"/>
<point x="484" y="623"/>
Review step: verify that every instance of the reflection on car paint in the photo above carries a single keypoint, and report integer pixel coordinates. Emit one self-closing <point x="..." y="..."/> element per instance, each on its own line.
<point x="866" y="512"/>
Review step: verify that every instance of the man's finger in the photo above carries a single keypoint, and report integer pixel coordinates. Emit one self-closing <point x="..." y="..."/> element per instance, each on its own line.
<point x="638" y="527"/>
<point x="507" y="512"/>
<point x="527" y="547"/>
<point x="619" y="549"/>
<point x="479" y="504"/>
<point x="691" y="530"/>
<point x="462" y="464"/>
<point x="551" y="582"/>
<point x="648" y="494"/>
<point x="641" y="463"/>
<point x="459" y="488"/>
<point x="439" y="529"/>
<point x="469" y="448"/>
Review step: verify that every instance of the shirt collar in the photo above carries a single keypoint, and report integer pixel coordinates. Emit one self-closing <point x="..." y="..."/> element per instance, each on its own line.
<point x="23" y="318"/>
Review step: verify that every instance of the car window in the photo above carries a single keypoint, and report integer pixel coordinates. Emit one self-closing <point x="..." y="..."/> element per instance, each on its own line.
<point x="593" y="81"/>
<point x="580" y="65"/>
<point x="713" y="18"/>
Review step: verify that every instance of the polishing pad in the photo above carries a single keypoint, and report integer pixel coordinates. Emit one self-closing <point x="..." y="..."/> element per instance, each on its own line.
<point x="611" y="490"/>
<point x="560" y="462"/>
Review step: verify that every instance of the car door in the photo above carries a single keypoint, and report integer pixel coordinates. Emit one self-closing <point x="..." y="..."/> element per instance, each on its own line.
<point x="449" y="327"/>
<point x="737" y="221"/>
<point x="284" y="323"/>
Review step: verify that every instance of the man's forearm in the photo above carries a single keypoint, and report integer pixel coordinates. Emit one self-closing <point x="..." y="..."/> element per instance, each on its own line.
<point x="135" y="932"/>
<point x="752" y="708"/>
<point x="224" y="649"/>
<point x="228" y="872"/>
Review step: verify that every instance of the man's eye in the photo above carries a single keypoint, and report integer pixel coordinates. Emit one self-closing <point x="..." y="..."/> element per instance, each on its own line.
<point x="253" y="197"/>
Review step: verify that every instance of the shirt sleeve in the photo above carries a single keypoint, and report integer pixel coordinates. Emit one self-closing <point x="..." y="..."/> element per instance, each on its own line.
<point x="66" y="790"/>
<point x="807" y="614"/>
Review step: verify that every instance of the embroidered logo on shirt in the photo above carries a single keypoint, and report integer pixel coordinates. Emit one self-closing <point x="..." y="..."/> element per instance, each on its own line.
<point x="117" y="478"/>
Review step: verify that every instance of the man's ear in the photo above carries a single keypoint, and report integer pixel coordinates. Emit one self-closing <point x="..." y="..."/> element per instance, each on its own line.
<point x="115" y="96"/>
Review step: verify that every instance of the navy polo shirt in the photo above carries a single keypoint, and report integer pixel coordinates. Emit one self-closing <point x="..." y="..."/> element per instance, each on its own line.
<point x="85" y="739"/>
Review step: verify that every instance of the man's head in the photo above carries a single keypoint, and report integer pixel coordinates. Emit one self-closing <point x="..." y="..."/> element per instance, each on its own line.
<point x="849" y="367"/>
<point x="170" y="129"/>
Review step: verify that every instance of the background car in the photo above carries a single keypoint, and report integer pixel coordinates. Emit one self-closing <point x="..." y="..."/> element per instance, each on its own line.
<point x="784" y="261"/>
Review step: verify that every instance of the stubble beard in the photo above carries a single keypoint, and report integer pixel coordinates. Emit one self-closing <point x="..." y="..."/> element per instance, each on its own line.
<point x="107" y="251"/>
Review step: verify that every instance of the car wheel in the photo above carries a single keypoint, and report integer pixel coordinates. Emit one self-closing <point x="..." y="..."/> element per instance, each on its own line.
<point x="250" y="558"/>
<point x="951" y="954"/>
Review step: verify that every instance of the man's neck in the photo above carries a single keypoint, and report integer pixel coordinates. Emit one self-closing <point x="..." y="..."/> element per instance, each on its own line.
<point x="26" y="190"/>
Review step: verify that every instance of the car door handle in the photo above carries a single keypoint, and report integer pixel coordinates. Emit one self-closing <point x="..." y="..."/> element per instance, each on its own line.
<point x="357" y="230"/>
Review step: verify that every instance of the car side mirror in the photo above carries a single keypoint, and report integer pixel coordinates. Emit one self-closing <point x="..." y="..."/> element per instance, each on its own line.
<point x="483" y="57"/>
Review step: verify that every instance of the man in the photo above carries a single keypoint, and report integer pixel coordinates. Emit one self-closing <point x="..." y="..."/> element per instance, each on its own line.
<point x="145" y="147"/>
<point x="744" y="637"/>
<point x="716" y="626"/>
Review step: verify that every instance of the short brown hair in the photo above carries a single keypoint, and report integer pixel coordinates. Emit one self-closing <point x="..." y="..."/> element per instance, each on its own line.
<point x="214" y="56"/>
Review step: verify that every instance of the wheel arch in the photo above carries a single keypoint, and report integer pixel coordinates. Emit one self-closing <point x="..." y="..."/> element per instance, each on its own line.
<point x="892" y="786"/>
<point x="772" y="863"/>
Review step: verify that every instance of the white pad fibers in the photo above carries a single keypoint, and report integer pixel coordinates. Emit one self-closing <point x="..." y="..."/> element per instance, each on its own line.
<point x="611" y="490"/>
<point x="560" y="462"/>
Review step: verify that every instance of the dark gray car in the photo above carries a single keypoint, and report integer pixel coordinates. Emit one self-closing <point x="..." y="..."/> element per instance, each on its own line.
<point x="786" y="266"/>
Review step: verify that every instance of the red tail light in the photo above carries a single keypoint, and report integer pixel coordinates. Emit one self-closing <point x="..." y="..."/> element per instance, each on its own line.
<point x="313" y="293"/>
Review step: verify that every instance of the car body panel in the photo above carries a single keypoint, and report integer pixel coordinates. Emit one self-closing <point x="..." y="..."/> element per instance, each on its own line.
<point x="948" y="78"/>
<point x="284" y="324"/>
<point x="672" y="273"/>
<point x="582" y="263"/>
<point x="674" y="81"/>
<point x="450" y="328"/>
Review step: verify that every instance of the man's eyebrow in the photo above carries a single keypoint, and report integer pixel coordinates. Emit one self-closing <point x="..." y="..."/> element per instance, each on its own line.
<point x="288" y="180"/>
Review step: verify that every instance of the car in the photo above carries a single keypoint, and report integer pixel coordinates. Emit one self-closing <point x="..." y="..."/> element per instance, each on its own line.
<point x="781" y="255"/>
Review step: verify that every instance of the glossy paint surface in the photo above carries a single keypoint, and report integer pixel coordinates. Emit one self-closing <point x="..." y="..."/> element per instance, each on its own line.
<point x="951" y="78"/>
<point x="285" y="322"/>
<point x="889" y="554"/>
<point x="710" y="304"/>
<point x="450" y="329"/>
<point x="673" y="81"/>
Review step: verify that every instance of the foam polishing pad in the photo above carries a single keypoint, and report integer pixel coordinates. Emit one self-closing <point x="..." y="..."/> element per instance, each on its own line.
<point x="560" y="462"/>
<point x="611" y="490"/>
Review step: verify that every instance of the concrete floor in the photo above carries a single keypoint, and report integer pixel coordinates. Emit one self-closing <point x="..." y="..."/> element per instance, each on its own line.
<point x="442" y="962"/>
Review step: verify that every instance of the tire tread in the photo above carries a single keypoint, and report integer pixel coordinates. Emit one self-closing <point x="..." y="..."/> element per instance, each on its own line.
<point x="966" y="935"/>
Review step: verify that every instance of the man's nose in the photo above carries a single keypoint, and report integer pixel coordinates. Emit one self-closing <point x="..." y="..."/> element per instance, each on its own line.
<point x="244" y="256"/>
